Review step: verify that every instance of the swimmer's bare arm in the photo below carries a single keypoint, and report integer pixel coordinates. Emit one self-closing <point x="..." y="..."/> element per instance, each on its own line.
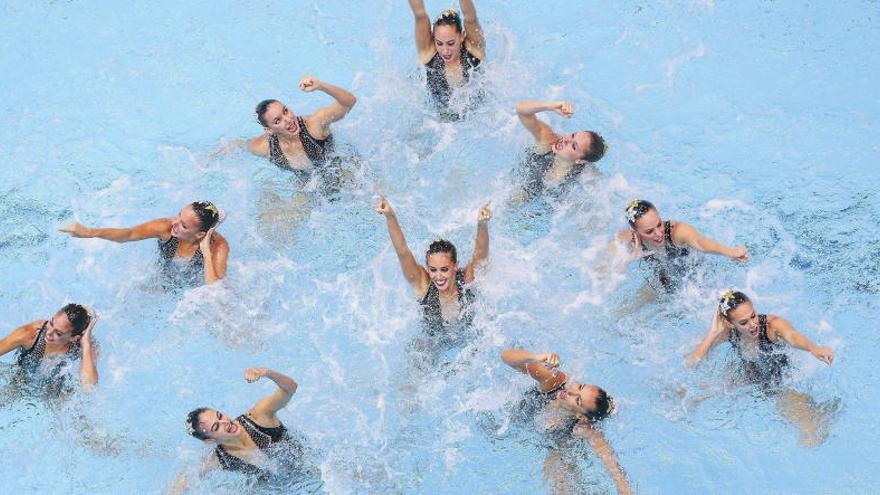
<point x="474" y="41"/>
<point x="259" y="145"/>
<point x="683" y="233"/>
<point x="88" y="366"/>
<point x="159" y="228"/>
<point x="181" y="484"/>
<point x="779" y="327"/>
<point x="541" y="367"/>
<point x="481" y="246"/>
<point x="414" y="273"/>
<point x="606" y="454"/>
<point x="542" y="132"/>
<point x="22" y="336"/>
<point x="718" y="332"/>
<point x="215" y="255"/>
<point x="424" y="36"/>
<point x="264" y="410"/>
<point x="338" y="109"/>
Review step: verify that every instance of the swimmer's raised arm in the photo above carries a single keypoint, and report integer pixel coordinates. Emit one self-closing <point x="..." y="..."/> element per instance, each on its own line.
<point x="215" y="251"/>
<point x="784" y="329"/>
<point x="542" y="132"/>
<point x="481" y="246"/>
<point x="687" y="234"/>
<point x="543" y="368"/>
<point x="414" y="273"/>
<point x="88" y="366"/>
<point x="20" y="337"/>
<point x="159" y="228"/>
<point x="474" y="41"/>
<point x="719" y="331"/>
<point x="338" y="109"/>
<point x="606" y="453"/>
<point x="265" y="409"/>
<point x="423" y="34"/>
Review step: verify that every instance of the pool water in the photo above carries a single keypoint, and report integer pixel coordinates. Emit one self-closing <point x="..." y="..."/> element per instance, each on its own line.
<point x="756" y="122"/>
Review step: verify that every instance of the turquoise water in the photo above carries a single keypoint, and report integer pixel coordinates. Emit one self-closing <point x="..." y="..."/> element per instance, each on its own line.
<point x="757" y="122"/>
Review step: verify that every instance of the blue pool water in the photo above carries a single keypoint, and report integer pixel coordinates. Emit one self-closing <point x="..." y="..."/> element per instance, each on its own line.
<point x="757" y="122"/>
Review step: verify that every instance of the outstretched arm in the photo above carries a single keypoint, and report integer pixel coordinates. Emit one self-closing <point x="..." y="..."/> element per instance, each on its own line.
<point x="606" y="453"/>
<point x="22" y="336"/>
<point x="687" y="234"/>
<point x="481" y="246"/>
<point x="413" y="272"/>
<point x="424" y="37"/>
<point x="542" y="367"/>
<point x="338" y="109"/>
<point x="158" y="228"/>
<point x="264" y="410"/>
<point x="526" y="110"/>
<point x="474" y="41"/>
<point x="784" y="329"/>
<point x="88" y="366"/>
<point x="719" y="331"/>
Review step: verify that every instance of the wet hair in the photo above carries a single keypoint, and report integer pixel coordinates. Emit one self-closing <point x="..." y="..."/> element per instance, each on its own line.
<point x="597" y="148"/>
<point x="209" y="215"/>
<point x="442" y="246"/>
<point x="637" y="208"/>
<point x="192" y="423"/>
<point x="261" y="111"/>
<point x="78" y="316"/>
<point x="604" y="407"/>
<point x="449" y="17"/>
<point x="731" y="300"/>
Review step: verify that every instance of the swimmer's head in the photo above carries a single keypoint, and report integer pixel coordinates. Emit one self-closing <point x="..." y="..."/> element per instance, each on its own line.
<point x="645" y="220"/>
<point x="738" y="310"/>
<point x="581" y="147"/>
<point x="588" y="402"/>
<point x="67" y="325"/>
<point x="448" y="35"/>
<point x="195" y="219"/>
<point x="211" y="426"/>
<point x="442" y="264"/>
<point x="276" y="118"/>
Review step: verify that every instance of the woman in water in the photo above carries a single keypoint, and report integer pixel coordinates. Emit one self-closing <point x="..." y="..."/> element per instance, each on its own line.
<point x="191" y="251"/>
<point x="556" y="159"/>
<point x="665" y="244"/>
<point x="255" y="443"/>
<point x="569" y="408"/>
<point x="440" y="285"/>
<point x="449" y="52"/>
<point x="47" y="347"/>
<point x="758" y="341"/>
<point x="301" y="144"/>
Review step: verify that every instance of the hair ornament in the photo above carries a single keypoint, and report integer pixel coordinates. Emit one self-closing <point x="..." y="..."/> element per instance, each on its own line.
<point x="727" y="301"/>
<point x="612" y="406"/>
<point x="632" y="208"/>
<point x="189" y="428"/>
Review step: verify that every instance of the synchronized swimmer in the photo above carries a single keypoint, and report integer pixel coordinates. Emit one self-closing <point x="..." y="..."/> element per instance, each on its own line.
<point x="451" y="49"/>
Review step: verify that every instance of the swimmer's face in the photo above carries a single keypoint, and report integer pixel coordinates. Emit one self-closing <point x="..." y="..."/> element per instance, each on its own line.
<point x="442" y="270"/>
<point x="573" y="146"/>
<point x="59" y="331"/>
<point x="448" y="42"/>
<point x="744" y="319"/>
<point x="281" y="120"/>
<point x="578" y="397"/>
<point x="186" y="225"/>
<point x="218" y="426"/>
<point x="650" y="228"/>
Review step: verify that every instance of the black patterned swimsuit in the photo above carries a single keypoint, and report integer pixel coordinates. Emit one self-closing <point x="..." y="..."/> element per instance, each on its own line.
<point x="317" y="151"/>
<point x="769" y="368"/>
<point x="263" y="436"/>
<point x="29" y="361"/>
<point x="535" y="167"/>
<point x="535" y="402"/>
<point x="671" y="269"/>
<point x="438" y="85"/>
<point x="433" y="313"/>
<point x="176" y="273"/>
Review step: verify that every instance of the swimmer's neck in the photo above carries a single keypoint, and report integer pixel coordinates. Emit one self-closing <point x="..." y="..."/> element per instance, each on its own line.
<point x="241" y="442"/>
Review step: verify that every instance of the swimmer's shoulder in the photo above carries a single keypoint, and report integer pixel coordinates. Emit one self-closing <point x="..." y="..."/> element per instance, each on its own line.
<point x="259" y="145"/>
